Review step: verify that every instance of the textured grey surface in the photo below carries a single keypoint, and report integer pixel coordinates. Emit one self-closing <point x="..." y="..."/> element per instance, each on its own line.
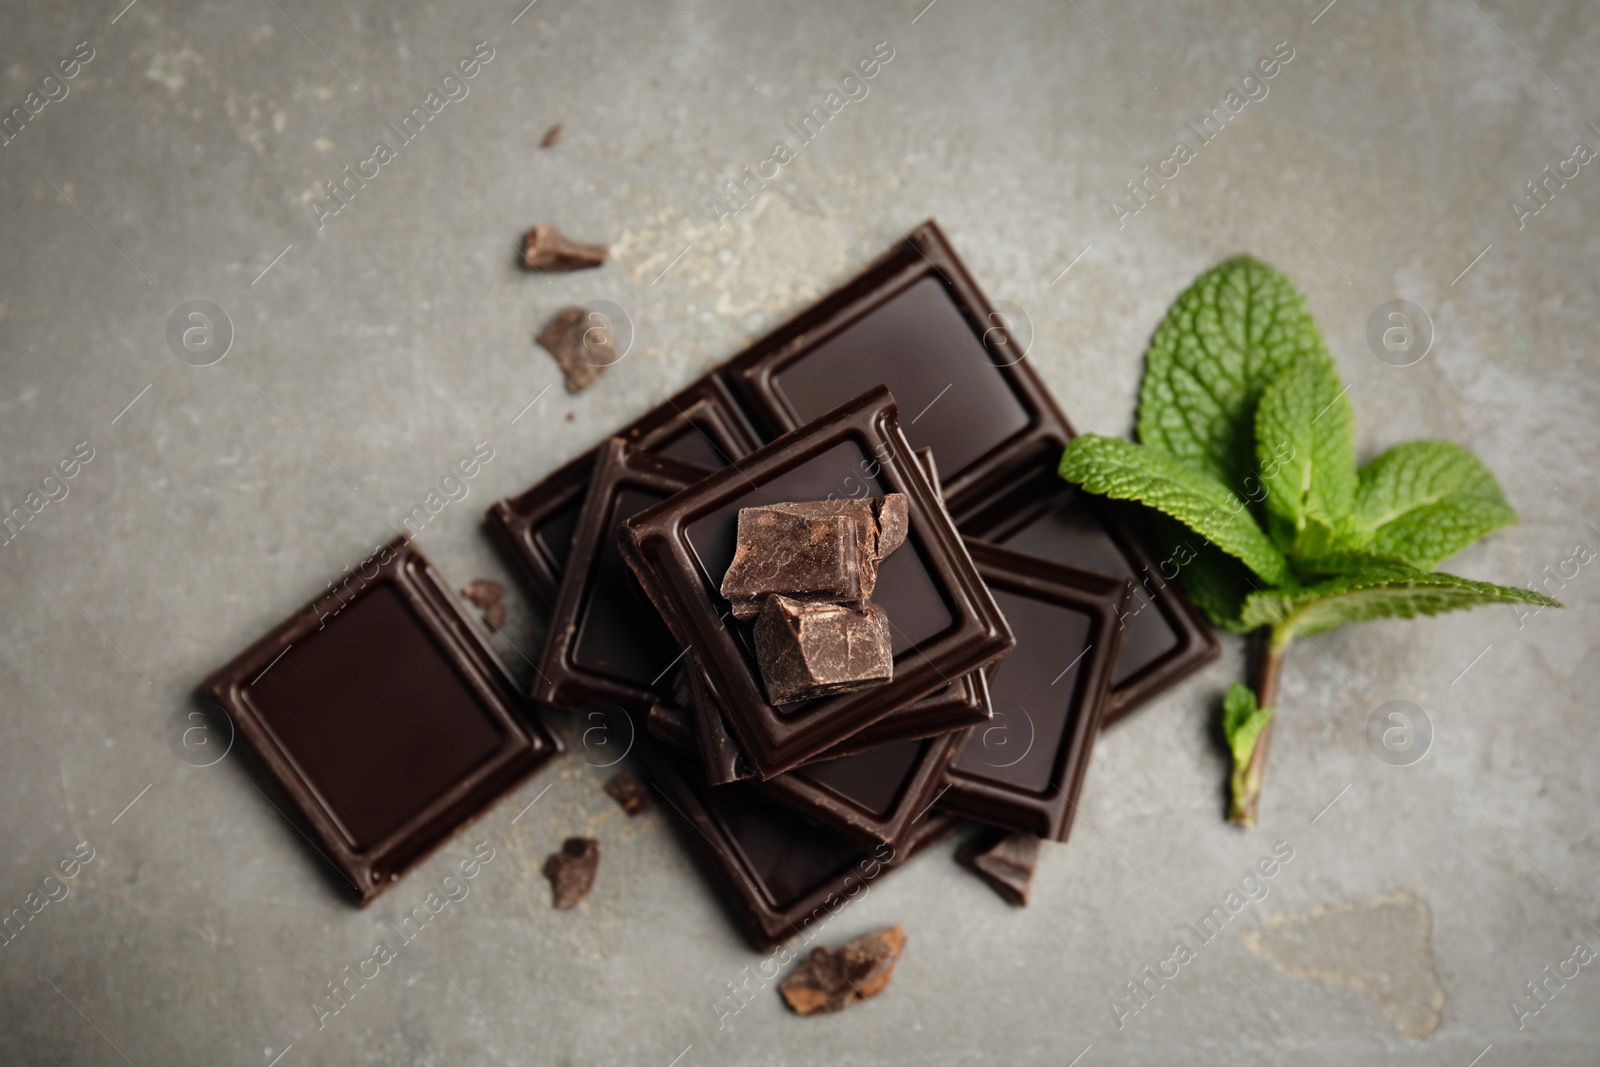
<point x="379" y="349"/>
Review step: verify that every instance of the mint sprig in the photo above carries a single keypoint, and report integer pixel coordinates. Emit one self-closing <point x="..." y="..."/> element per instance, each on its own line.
<point x="1248" y="450"/>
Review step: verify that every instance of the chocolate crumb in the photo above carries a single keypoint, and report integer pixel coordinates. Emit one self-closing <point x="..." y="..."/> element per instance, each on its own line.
<point x="551" y="137"/>
<point x="629" y="790"/>
<point x="547" y="248"/>
<point x="485" y="595"/>
<point x="571" y="415"/>
<point x="571" y="871"/>
<point x="1005" y="861"/>
<point x="832" y="981"/>
<point x="582" y="344"/>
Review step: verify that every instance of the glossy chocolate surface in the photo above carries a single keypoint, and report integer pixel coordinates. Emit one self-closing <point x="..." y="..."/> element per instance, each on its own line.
<point x="606" y="643"/>
<point x="1023" y="772"/>
<point x="872" y="796"/>
<point x="1165" y="640"/>
<point x="381" y="717"/>
<point x="916" y="322"/>
<point x="701" y="425"/>
<point x="942" y="619"/>
<point x="778" y="872"/>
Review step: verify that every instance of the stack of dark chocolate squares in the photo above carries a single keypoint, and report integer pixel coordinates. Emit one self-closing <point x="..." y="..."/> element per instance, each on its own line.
<point x="1009" y="618"/>
<point x="1021" y="615"/>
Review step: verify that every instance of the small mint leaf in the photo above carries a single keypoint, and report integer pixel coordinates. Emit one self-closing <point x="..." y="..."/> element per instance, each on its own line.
<point x="1123" y="470"/>
<point x="1426" y="500"/>
<point x="1233" y="331"/>
<point x="1306" y="455"/>
<point x="1376" y="592"/>
<point x="1242" y="722"/>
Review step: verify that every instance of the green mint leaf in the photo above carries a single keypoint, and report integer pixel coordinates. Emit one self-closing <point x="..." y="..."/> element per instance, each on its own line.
<point x="1235" y="329"/>
<point x="1378" y="592"/>
<point x="1242" y="722"/>
<point x="1426" y="500"/>
<point x="1306" y="456"/>
<point x="1216" y="583"/>
<point x="1123" y="470"/>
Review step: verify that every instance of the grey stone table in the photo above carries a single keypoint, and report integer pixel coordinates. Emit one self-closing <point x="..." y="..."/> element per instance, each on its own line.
<point x="367" y="348"/>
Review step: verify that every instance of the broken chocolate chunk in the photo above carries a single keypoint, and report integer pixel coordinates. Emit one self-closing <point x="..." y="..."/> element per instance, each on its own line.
<point x="582" y="343"/>
<point x="551" y="137"/>
<point x="547" y="248"/>
<point x="571" y="871"/>
<point x="485" y="595"/>
<point x="832" y="981"/>
<point x="629" y="790"/>
<point x="1005" y="861"/>
<point x="808" y="650"/>
<point x="826" y="550"/>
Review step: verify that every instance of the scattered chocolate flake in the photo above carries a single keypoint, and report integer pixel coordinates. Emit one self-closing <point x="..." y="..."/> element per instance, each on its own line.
<point x="1005" y="861"/>
<point x="832" y="981"/>
<point x="825" y="550"/>
<point x="547" y="248"/>
<point x="485" y="595"/>
<point x="551" y="137"/>
<point x="810" y="650"/>
<point x="582" y="344"/>
<point x="629" y="790"/>
<point x="571" y="871"/>
<point x="571" y="415"/>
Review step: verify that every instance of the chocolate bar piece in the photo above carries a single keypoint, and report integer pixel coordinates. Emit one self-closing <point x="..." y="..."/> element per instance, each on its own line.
<point x="581" y="343"/>
<point x="546" y="248"/>
<point x="942" y="618"/>
<point x="606" y="644"/>
<point x="808" y="651"/>
<point x="702" y="425"/>
<point x="1024" y="771"/>
<point x="1003" y="860"/>
<point x="917" y="323"/>
<point x="782" y="875"/>
<point x="832" y="981"/>
<point x="827" y="550"/>
<point x="382" y="718"/>
<point x="877" y="795"/>
<point x="571" y="871"/>
<point x="1165" y="639"/>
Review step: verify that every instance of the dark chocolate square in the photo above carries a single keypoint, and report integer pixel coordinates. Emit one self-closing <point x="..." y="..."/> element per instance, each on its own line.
<point x="942" y="619"/>
<point x="382" y="717"/>
<point x="606" y="643"/>
<point x="782" y="875"/>
<point x="872" y="795"/>
<point x="916" y="322"/>
<point x="701" y="425"/>
<point x="1166" y="639"/>
<point x="1024" y="770"/>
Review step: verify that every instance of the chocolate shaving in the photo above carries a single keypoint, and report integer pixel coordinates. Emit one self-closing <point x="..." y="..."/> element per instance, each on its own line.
<point x="581" y="343"/>
<point x="629" y="790"/>
<point x="826" y="550"/>
<point x="1005" y="861"/>
<point x="571" y="871"/>
<point x="832" y="981"/>
<point x="808" y="650"/>
<point x="485" y="595"/>
<point x="547" y="248"/>
<point x="551" y="137"/>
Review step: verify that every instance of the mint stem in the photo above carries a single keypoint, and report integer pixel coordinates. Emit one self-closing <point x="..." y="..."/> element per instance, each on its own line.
<point x="1247" y="782"/>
